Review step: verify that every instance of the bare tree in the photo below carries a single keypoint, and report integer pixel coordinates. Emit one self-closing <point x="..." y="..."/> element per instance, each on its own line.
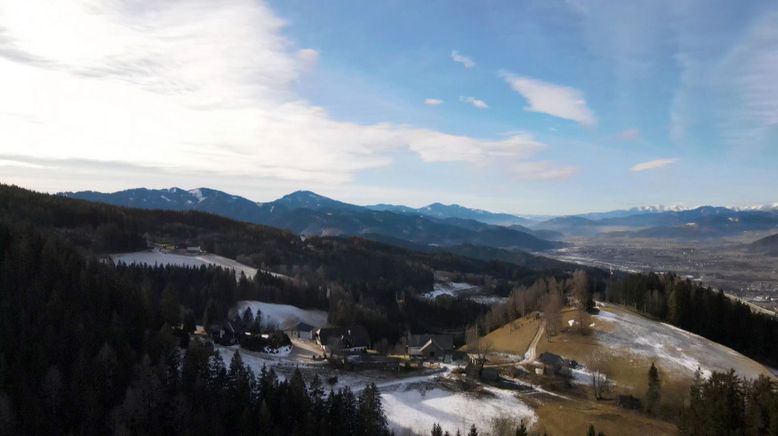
<point x="478" y="345"/>
<point x="600" y="368"/>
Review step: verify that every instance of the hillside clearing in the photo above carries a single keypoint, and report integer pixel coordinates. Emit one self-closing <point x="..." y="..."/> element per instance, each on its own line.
<point x="283" y="315"/>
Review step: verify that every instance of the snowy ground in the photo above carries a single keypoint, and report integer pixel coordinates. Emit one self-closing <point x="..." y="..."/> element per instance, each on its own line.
<point x="451" y="288"/>
<point x="158" y="257"/>
<point x="419" y="406"/>
<point x="670" y="345"/>
<point x="283" y="315"/>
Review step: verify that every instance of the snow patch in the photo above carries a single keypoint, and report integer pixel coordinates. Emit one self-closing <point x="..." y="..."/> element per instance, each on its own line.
<point x="418" y="408"/>
<point x="671" y="346"/>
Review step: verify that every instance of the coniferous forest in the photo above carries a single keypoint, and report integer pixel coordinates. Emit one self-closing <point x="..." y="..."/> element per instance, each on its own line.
<point x="82" y="351"/>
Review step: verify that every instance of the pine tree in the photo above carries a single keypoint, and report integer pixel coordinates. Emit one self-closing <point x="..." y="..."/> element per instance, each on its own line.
<point x="473" y="431"/>
<point x="248" y="318"/>
<point x="370" y="412"/>
<point x="436" y="430"/>
<point x="653" y="392"/>
<point x="591" y="431"/>
<point x="209" y="314"/>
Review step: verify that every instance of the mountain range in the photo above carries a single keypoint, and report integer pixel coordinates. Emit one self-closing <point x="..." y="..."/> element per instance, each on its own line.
<point x="438" y="224"/>
<point x="307" y="213"/>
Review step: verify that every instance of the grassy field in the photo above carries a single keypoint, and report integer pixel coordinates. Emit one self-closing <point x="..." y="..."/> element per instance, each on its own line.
<point x="573" y="417"/>
<point x="515" y="337"/>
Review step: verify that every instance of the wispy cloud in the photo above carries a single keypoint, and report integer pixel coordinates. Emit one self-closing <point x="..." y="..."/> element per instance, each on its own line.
<point x="548" y="98"/>
<point x="196" y="87"/>
<point x="653" y="164"/>
<point x="478" y="103"/>
<point x="462" y="59"/>
<point x="433" y="102"/>
<point x="544" y="170"/>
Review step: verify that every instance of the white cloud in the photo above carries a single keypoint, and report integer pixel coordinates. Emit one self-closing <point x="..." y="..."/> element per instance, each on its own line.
<point x="435" y="146"/>
<point x="433" y="102"/>
<point x="462" y="59"/>
<point x="653" y="164"/>
<point x="197" y="87"/>
<point x="544" y="170"/>
<point x="477" y="103"/>
<point x="551" y="99"/>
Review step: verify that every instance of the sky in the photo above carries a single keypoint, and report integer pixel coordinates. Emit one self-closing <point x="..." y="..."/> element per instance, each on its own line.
<point x="528" y="107"/>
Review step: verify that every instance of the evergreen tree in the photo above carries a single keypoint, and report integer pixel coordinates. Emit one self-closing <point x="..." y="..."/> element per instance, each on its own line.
<point x="653" y="392"/>
<point x="209" y="315"/>
<point x="436" y="430"/>
<point x="473" y="431"/>
<point x="371" y="417"/>
<point x="248" y="318"/>
<point x="591" y="431"/>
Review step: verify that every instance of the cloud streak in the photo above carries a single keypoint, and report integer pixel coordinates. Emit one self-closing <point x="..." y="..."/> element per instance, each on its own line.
<point x="433" y="102"/>
<point x="551" y="99"/>
<point x="475" y="102"/>
<point x="462" y="59"/>
<point x="653" y="165"/>
<point x="543" y="171"/>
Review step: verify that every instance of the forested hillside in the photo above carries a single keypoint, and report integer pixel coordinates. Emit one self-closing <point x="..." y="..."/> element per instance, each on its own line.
<point x="87" y="349"/>
<point x="357" y="280"/>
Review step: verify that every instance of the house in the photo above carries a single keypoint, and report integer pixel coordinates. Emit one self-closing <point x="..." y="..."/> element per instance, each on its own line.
<point x="430" y="347"/>
<point x="339" y="339"/>
<point x="554" y="364"/>
<point x="300" y="330"/>
<point x="226" y="334"/>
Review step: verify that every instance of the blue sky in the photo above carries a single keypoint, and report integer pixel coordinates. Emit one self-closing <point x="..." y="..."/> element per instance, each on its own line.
<point x="539" y="107"/>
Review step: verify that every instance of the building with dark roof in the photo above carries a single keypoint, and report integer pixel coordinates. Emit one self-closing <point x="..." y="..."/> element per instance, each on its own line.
<point x="430" y="347"/>
<point x="342" y="339"/>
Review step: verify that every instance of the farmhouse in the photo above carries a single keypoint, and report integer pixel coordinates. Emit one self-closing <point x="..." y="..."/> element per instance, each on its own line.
<point x="342" y="340"/>
<point x="430" y="347"/>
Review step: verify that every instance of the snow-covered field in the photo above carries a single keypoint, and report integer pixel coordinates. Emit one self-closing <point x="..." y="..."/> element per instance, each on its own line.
<point x="418" y="407"/>
<point x="283" y="315"/>
<point x="157" y="257"/>
<point x="451" y="288"/>
<point x="670" y="345"/>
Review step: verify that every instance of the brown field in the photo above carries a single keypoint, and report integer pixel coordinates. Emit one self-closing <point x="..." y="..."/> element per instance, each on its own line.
<point x="573" y="417"/>
<point x="514" y="337"/>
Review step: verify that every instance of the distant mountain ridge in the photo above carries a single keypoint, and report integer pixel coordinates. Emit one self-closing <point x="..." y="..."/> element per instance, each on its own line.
<point x="767" y="245"/>
<point x="705" y="222"/>
<point x="308" y="213"/>
<point x="440" y="210"/>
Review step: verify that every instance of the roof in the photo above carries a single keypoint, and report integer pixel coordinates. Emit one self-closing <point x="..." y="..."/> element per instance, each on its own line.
<point x="301" y="327"/>
<point x="445" y="342"/>
<point x="551" y="359"/>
